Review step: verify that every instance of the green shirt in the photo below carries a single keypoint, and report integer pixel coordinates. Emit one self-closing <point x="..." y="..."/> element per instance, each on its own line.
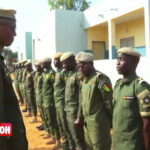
<point x="38" y="89"/>
<point x="47" y="88"/>
<point x="24" y="74"/>
<point x="29" y="82"/>
<point x="20" y="74"/>
<point x="130" y="98"/>
<point x="59" y="87"/>
<point x="72" y="90"/>
<point x="96" y="96"/>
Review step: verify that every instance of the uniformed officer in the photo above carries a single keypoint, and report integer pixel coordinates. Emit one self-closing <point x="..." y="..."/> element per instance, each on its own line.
<point x="23" y="85"/>
<point x="19" y="79"/>
<point x="131" y="104"/>
<point x="50" y="121"/>
<point x="96" y="104"/>
<point x="9" y="108"/>
<point x="72" y="98"/>
<point x="30" y="92"/>
<point x="59" y="96"/>
<point x="38" y="87"/>
<point x="16" y="86"/>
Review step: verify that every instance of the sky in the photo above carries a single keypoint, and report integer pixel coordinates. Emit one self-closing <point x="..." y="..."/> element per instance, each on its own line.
<point x="29" y="12"/>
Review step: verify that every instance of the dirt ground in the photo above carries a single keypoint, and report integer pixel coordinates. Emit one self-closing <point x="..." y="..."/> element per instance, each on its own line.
<point x="35" y="140"/>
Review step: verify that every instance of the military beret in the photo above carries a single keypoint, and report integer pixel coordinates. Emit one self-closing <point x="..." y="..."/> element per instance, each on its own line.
<point x="24" y="61"/>
<point x="35" y="60"/>
<point x="129" y="51"/>
<point x="57" y="55"/>
<point x="82" y="56"/>
<point x="66" y="56"/>
<point x="46" y="59"/>
<point x="7" y="14"/>
<point x="37" y="63"/>
<point x="27" y="64"/>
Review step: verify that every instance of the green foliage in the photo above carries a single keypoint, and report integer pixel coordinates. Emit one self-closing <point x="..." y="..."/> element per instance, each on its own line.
<point x="10" y="56"/>
<point x="79" y="5"/>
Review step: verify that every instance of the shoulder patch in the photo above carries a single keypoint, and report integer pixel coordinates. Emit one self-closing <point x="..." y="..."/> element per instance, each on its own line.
<point x="118" y="80"/>
<point x="105" y="86"/>
<point x="53" y="76"/>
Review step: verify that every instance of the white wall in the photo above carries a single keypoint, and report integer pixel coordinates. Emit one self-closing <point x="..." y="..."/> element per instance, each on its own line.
<point x="109" y="68"/>
<point x="109" y="9"/>
<point x="70" y="34"/>
<point x="44" y="35"/>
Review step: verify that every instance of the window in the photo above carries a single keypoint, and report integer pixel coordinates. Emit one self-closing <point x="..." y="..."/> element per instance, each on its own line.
<point x="127" y="42"/>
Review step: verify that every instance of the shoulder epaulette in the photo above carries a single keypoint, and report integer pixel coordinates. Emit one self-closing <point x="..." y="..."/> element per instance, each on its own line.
<point x="99" y="74"/>
<point x="118" y="80"/>
<point x="141" y="80"/>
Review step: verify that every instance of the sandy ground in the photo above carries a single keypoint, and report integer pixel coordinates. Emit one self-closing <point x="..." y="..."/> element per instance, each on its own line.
<point x="35" y="140"/>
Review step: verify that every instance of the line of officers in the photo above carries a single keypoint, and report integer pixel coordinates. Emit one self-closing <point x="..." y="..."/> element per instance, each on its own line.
<point x="76" y="102"/>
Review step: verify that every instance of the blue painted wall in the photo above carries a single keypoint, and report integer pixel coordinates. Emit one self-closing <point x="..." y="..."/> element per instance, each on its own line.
<point x="28" y="37"/>
<point x="141" y="50"/>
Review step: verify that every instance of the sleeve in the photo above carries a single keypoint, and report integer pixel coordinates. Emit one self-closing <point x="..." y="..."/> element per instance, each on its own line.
<point x="143" y="95"/>
<point x="80" y="100"/>
<point x="104" y="85"/>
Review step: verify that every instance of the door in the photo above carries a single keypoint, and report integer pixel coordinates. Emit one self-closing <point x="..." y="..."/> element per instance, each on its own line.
<point x="98" y="48"/>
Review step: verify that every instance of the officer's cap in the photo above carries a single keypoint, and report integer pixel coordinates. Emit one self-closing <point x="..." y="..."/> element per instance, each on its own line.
<point x="46" y="59"/>
<point x="7" y="14"/>
<point x="66" y="56"/>
<point x="24" y="61"/>
<point x="129" y="51"/>
<point x="35" y="60"/>
<point x="82" y="56"/>
<point x="27" y="64"/>
<point x="37" y="63"/>
<point x="57" y="55"/>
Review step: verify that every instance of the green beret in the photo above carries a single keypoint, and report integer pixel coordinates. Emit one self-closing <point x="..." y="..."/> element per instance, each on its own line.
<point x="66" y="56"/>
<point x="129" y="51"/>
<point x="82" y="56"/>
<point x="7" y="14"/>
<point x="46" y="59"/>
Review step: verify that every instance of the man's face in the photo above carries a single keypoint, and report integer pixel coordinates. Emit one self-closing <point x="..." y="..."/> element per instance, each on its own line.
<point x="57" y="62"/>
<point x="38" y="68"/>
<point x="46" y="65"/>
<point x="7" y="32"/>
<point x="124" y="64"/>
<point x="85" y="68"/>
<point x="68" y="65"/>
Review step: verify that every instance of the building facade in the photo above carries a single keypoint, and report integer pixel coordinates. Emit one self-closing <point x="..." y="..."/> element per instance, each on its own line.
<point x="101" y="30"/>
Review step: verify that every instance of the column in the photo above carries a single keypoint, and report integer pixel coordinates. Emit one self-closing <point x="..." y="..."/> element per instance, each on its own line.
<point x="147" y="26"/>
<point x="111" y="37"/>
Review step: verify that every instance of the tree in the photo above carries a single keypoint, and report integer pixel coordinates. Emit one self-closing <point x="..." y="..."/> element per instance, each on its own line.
<point x="79" y="5"/>
<point x="10" y="57"/>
